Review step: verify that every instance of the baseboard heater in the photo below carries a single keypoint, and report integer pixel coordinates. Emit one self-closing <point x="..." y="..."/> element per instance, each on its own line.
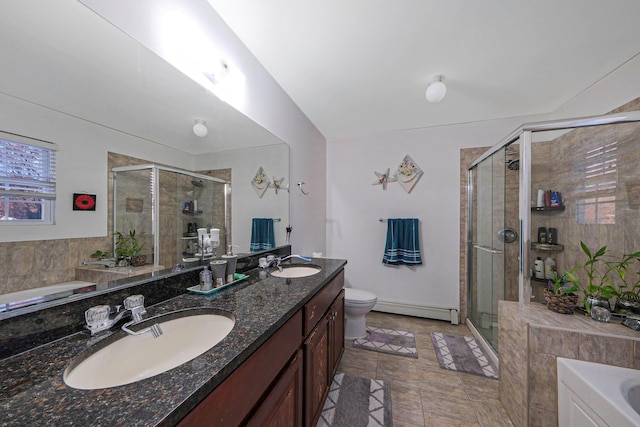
<point x="440" y="313"/>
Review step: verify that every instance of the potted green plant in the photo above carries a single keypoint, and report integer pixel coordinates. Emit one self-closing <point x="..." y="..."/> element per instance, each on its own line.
<point x="598" y="287"/>
<point x="560" y="296"/>
<point x="628" y="300"/>
<point x="128" y="249"/>
<point x="98" y="254"/>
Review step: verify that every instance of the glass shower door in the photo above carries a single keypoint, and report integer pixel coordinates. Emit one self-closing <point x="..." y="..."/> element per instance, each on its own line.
<point x="486" y="249"/>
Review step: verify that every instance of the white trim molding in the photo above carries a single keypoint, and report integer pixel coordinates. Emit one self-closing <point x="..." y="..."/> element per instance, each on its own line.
<point x="441" y="313"/>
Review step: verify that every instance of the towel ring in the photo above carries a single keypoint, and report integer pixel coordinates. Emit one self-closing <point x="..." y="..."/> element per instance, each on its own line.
<point x="300" y="184"/>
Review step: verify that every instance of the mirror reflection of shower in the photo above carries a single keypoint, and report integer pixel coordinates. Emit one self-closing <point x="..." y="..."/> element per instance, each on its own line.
<point x="181" y="216"/>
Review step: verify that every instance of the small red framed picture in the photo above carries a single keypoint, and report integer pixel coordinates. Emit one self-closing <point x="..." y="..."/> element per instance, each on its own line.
<point x="84" y="202"/>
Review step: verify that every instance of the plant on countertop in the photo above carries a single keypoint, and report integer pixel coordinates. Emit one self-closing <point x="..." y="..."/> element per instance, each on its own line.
<point x="128" y="248"/>
<point x="598" y="285"/>
<point x="629" y="290"/>
<point x="100" y="254"/>
<point x="559" y="296"/>
<point x="559" y="286"/>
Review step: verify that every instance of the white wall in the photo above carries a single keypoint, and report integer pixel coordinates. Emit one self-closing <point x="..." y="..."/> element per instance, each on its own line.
<point x="354" y="205"/>
<point x="81" y="166"/>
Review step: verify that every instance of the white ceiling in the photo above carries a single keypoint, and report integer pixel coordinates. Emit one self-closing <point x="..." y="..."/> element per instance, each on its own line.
<point x="362" y="66"/>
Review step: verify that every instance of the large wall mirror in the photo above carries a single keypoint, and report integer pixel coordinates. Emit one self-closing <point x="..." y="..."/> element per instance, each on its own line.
<point x="61" y="57"/>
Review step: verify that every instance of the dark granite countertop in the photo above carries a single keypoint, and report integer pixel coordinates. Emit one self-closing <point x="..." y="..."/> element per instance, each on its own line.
<point x="32" y="390"/>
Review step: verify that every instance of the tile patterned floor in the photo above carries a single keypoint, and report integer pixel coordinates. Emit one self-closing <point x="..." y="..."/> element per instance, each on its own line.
<point x="422" y="393"/>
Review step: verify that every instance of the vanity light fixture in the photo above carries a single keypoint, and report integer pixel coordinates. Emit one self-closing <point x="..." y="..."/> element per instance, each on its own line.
<point x="436" y="89"/>
<point x="200" y="128"/>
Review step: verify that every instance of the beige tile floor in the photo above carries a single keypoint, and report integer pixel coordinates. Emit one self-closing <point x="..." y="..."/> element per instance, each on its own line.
<point x="422" y="393"/>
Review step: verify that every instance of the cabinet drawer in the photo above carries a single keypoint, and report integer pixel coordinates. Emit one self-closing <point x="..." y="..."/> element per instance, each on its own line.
<point x="315" y="309"/>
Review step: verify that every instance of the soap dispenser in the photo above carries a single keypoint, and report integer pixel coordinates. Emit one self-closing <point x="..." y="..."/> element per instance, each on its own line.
<point x="231" y="264"/>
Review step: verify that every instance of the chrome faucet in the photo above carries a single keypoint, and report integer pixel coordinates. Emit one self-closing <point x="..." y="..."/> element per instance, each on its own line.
<point x="135" y="304"/>
<point x="278" y="261"/>
<point x="106" y="262"/>
<point x="100" y="318"/>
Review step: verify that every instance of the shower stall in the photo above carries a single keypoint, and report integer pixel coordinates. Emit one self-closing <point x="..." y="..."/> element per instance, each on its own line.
<point x="590" y="166"/>
<point x="166" y="207"/>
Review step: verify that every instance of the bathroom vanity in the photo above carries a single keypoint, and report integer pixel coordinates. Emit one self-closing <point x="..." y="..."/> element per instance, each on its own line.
<point x="277" y="363"/>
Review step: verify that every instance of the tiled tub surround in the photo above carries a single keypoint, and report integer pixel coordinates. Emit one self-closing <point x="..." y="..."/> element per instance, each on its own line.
<point x="33" y="392"/>
<point x="532" y="337"/>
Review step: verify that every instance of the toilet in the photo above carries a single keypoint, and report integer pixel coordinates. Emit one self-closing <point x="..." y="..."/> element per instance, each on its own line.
<point x="357" y="303"/>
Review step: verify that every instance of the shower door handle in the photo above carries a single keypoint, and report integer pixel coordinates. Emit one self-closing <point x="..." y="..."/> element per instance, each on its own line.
<point x="487" y="249"/>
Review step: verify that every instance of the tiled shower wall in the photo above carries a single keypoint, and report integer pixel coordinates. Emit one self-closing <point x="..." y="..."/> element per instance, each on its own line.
<point x="559" y="164"/>
<point x="572" y="164"/>
<point x="33" y="264"/>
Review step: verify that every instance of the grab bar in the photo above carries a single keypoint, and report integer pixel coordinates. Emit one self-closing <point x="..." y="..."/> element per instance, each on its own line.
<point x="487" y="249"/>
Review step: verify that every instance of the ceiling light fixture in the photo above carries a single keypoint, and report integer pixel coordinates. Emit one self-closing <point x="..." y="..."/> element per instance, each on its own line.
<point x="200" y="128"/>
<point x="436" y="89"/>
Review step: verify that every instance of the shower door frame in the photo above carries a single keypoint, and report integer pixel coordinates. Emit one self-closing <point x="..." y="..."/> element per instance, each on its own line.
<point x="524" y="136"/>
<point x="474" y="247"/>
<point x="155" y="223"/>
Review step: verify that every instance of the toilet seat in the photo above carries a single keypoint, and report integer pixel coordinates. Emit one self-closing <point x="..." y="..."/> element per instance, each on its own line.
<point x="358" y="297"/>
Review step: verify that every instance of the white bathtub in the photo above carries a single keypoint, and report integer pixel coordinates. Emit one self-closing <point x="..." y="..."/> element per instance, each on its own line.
<point x="593" y="394"/>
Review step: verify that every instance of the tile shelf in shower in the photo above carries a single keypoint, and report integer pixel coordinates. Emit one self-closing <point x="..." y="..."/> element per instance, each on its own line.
<point x="535" y="279"/>
<point x="547" y="208"/>
<point x="190" y="212"/>
<point x="546" y="247"/>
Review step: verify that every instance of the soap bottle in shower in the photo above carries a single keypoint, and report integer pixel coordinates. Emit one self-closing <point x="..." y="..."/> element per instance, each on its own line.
<point x="538" y="270"/>
<point x="549" y="268"/>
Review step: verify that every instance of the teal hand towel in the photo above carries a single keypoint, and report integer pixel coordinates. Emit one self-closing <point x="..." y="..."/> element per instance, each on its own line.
<point x="403" y="242"/>
<point x="262" y="236"/>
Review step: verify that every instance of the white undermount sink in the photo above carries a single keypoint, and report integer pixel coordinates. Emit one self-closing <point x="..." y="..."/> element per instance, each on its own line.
<point x="136" y="357"/>
<point x="296" y="271"/>
<point x="596" y="394"/>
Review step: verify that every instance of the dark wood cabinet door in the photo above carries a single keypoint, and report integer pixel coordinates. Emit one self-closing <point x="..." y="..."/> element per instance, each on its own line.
<point x="336" y="333"/>
<point x="283" y="406"/>
<point x="316" y="353"/>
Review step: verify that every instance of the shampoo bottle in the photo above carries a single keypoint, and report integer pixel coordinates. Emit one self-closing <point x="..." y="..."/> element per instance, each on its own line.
<point x="549" y="268"/>
<point x="538" y="270"/>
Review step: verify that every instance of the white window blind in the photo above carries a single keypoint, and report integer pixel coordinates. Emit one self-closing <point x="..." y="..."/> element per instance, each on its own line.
<point x="27" y="177"/>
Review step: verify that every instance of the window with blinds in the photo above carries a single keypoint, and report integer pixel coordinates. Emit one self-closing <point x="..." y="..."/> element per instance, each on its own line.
<point x="27" y="180"/>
